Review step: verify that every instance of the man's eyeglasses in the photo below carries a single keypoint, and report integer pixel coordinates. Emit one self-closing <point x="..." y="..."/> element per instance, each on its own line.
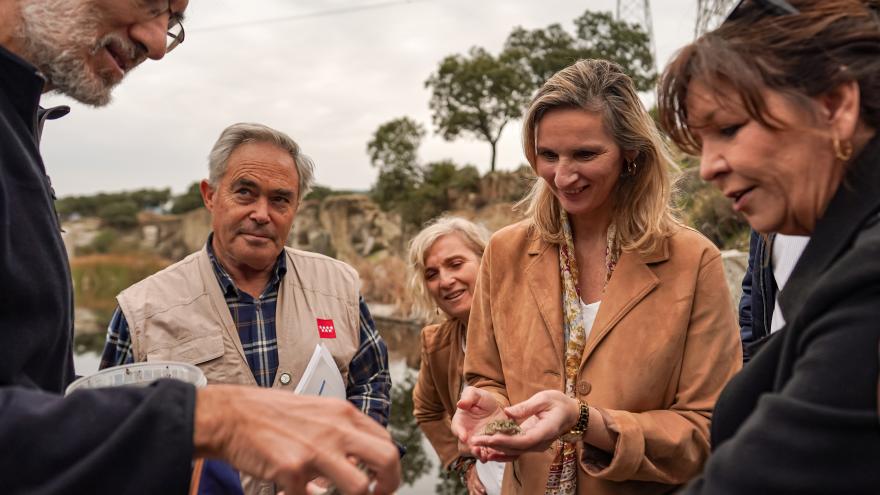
<point x="153" y="9"/>
<point x="175" y="32"/>
<point x="773" y="7"/>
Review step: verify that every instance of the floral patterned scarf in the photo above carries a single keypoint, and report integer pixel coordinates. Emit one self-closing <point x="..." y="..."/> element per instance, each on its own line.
<point x="562" y="479"/>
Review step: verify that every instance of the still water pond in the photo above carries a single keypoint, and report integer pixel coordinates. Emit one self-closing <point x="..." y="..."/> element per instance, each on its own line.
<point x="422" y="473"/>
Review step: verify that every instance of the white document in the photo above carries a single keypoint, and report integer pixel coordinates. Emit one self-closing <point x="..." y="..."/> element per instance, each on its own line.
<point x="321" y="377"/>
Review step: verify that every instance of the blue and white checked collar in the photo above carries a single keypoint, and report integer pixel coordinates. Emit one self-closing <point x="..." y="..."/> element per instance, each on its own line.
<point x="226" y="282"/>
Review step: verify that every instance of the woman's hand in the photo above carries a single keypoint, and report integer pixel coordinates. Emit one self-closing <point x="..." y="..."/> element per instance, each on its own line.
<point x="474" y="485"/>
<point x="475" y="409"/>
<point x="544" y="417"/>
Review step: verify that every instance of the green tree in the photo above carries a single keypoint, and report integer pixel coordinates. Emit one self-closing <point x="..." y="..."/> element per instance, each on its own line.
<point x="188" y="201"/>
<point x="449" y="483"/>
<point x="395" y="144"/>
<point x="403" y="428"/>
<point x="103" y="242"/>
<point x="442" y="183"/>
<point x="319" y="192"/>
<point x="120" y="214"/>
<point x="540" y="53"/>
<point x="92" y="205"/>
<point x="477" y="95"/>
<point x="600" y="36"/>
<point x="82" y="205"/>
<point x="394" y="151"/>
<point x="150" y="198"/>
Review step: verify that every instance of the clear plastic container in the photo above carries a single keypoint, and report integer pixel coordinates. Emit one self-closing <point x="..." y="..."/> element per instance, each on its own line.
<point x="140" y="374"/>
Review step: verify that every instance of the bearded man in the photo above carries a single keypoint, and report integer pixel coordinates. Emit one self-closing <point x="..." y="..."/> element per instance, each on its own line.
<point x="123" y="440"/>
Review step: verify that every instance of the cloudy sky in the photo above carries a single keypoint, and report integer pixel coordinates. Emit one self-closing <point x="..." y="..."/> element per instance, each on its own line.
<point x="327" y="72"/>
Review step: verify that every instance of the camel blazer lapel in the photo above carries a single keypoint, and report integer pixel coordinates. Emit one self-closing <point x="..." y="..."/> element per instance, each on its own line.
<point x="632" y="280"/>
<point x="542" y="274"/>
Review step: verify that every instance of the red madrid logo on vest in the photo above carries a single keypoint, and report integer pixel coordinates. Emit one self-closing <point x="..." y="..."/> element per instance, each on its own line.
<point x="326" y="330"/>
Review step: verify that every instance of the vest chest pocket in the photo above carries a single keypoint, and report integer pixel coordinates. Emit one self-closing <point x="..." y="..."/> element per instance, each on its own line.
<point x="195" y="351"/>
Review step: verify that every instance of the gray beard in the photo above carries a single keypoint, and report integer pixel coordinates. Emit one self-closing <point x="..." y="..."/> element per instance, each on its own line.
<point x="55" y="35"/>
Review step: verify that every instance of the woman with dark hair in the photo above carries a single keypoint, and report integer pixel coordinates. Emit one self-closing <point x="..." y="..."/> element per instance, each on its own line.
<point x="782" y="104"/>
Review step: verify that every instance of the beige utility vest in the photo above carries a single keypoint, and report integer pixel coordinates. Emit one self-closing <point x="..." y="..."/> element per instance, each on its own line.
<point x="180" y="314"/>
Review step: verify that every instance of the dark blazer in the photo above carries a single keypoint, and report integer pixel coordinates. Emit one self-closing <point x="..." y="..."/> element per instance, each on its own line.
<point x="125" y="440"/>
<point x="802" y="416"/>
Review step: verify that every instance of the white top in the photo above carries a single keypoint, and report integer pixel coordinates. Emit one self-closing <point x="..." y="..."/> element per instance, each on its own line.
<point x="787" y="250"/>
<point x="589" y="312"/>
<point x="491" y="474"/>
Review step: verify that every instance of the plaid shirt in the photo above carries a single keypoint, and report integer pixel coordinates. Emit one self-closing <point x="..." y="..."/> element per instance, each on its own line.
<point x="369" y="382"/>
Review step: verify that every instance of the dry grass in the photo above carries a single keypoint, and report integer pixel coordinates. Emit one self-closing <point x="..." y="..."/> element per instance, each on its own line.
<point x="98" y="278"/>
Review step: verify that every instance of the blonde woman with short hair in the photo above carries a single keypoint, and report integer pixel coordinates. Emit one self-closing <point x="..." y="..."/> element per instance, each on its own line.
<point x="444" y="260"/>
<point x="603" y="321"/>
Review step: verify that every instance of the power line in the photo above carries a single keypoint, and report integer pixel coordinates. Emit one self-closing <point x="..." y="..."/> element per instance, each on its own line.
<point x="309" y="15"/>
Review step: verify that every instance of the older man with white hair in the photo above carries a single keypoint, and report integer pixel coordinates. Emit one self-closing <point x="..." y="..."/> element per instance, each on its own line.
<point x="246" y="309"/>
<point x="123" y="440"/>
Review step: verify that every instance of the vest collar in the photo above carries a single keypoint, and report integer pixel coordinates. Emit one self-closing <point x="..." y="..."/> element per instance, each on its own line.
<point x="228" y="286"/>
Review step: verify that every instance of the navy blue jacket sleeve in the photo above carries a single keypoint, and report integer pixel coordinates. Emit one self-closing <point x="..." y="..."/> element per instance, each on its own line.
<point x="745" y="302"/>
<point x="115" y="440"/>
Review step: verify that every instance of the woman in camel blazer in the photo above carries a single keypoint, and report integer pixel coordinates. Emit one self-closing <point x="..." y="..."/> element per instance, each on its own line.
<point x="633" y="388"/>
<point x="444" y="261"/>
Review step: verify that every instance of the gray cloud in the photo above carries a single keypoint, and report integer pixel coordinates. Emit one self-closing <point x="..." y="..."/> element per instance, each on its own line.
<point x="328" y="81"/>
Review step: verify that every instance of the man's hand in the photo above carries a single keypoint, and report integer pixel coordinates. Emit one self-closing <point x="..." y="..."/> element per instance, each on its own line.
<point x="290" y="439"/>
<point x="475" y="409"/>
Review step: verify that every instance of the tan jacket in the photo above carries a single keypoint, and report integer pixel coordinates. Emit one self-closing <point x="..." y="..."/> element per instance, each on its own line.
<point x="180" y="314"/>
<point x="439" y="386"/>
<point x="662" y="347"/>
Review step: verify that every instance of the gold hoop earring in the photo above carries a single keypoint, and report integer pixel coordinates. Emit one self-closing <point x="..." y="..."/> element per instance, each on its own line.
<point x="631" y="168"/>
<point x="843" y="150"/>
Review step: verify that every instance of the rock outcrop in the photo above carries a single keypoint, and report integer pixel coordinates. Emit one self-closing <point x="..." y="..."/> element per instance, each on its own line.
<point x="348" y="227"/>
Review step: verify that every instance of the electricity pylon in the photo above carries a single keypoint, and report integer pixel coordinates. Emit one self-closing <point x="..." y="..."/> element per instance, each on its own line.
<point x="638" y="12"/>
<point x="709" y="14"/>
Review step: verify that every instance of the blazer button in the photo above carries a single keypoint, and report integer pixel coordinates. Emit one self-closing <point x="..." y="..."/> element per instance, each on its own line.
<point x="584" y="388"/>
<point x="285" y="378"/>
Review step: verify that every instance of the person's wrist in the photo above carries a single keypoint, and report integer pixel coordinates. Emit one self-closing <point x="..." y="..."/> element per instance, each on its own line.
<point x="578" y="426"/>
<point x="574" y="411"/>
<point x="208" y="427"/>
<point x="468" y="472"/>
<point x="571" y="408"/>
<point x="462" y="465"/>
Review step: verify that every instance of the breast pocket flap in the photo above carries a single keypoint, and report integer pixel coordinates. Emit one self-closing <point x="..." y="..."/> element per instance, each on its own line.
<point x="195" y="351"/>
